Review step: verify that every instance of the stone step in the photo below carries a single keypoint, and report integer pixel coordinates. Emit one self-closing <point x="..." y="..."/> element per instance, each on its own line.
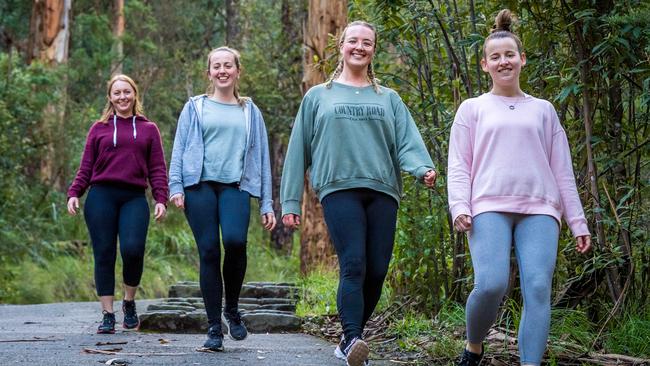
<point x="265" y="307"/>
<point x="256" y="321"/>
<point x="249" y="290"/>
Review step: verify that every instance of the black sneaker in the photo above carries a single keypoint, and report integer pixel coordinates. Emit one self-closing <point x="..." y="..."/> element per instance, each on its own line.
<point x="236" y="328"/>
<point x="215" y="338"/>
<point x="107" y="326"/>
<point x="356" y="352"/>
<point x="470" y="359"/>
<point x="131" y="320"/>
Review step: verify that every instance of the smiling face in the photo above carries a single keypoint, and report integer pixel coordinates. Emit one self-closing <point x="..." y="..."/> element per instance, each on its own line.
<point x="122" y="97"/>
<point x="503" y="62"/>
<point x="358" y="47"/>
<point x="223" y="71"/>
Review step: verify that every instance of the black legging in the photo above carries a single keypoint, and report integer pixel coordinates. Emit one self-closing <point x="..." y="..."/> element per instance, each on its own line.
<point x="208" y="206"/>
<point x="361" y="223"/>
<point x="110" y="212"/>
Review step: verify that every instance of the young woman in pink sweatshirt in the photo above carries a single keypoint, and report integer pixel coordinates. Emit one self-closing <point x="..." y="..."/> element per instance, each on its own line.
<point x="510" y="181"/>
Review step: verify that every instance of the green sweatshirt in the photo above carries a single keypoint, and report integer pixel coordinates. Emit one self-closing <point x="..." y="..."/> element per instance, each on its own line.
<point x="350" y="137"/>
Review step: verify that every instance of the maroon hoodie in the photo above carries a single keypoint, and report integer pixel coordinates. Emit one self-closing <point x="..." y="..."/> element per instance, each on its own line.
<point x="124" y="151"/>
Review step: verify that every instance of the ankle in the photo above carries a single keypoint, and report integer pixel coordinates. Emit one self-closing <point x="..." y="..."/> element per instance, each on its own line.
<point x="476" y="348"/>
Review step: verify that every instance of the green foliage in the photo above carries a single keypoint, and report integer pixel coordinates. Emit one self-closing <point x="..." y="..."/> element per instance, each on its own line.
<point x="630" y="334"/>
<point x="318" y="293"/>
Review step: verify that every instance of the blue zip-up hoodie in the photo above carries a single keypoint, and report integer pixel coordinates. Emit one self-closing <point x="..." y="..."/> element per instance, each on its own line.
<point x="187" y="155"/>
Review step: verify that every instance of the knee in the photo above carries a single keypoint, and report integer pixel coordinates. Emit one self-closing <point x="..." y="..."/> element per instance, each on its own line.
<point x="132" y="254"/>
<point x="538" y="289"/>
<point x="210" y="254"/>
<point x="234" y="244"/>
<point x="493" y="290"/>
<point x="353" y="269"/>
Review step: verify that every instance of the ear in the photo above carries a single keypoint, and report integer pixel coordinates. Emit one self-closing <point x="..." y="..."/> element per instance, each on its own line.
<point x="484" y="64"/>
<point x="523" y="58"/>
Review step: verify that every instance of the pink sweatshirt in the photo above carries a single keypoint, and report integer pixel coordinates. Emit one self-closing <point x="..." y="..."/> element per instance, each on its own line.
<point x="512" y="161"/>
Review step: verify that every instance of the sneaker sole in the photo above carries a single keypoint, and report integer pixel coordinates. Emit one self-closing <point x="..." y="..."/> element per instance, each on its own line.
<point x="126" y="327"/>
<point x="106" y="331"/>
<point x="358" y="354"/>
<point x="225" y="321"/>
<point x="339" y="354"/>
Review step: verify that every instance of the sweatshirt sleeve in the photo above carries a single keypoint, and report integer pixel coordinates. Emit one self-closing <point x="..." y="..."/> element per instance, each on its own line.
<point x="85" y="172"/>
<point x="157" y="168"/>
<point x="459" y="164"/>
<point x="298" y="159"/>
<point x="562" y="169"/>
<point x="180" y="139"/>
<point x="411" y="152"/>
<point x="266" y="195"/>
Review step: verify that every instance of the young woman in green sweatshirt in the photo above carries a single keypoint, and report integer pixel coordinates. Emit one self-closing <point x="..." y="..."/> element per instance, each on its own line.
<point x="355" y="137"/>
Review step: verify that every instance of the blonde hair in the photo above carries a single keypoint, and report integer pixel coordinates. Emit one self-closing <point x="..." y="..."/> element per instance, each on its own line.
<point x="339" y="66"/>
<point x="109" y="109"/>
<point x="503" y="23"/>
<point x="210" y="90"/>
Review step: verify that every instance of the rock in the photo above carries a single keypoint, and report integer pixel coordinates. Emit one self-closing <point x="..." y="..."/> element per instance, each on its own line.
<point x="174" y="321"/>
<point x="271" y="322"/>
<point x="185" y="289"/>
<point x="170" y="306"/>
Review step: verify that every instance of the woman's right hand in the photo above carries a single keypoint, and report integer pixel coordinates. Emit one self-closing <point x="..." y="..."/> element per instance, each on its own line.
<point x="73" y="205"/>
<point x="292" y="221"/>
<point x="463" y="223"/>
<point x="178" y="200"/>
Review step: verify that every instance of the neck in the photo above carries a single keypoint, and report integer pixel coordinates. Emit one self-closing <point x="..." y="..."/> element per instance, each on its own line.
<point x="507" y="91"/>
<point x="224" y="96"/>
<point x="354" y="77"/>
<point x="123" y="115"/>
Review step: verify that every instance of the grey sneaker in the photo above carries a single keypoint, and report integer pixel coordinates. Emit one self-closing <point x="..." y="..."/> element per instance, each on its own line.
<point x="236" y="328"/>
<point x="215" y="338"/>
<point x="356" y="352"/>
<point x="107" y="326"/>
<point x="131" y="320"/>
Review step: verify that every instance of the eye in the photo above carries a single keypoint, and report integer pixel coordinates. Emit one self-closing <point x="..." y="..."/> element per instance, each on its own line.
<point x="367" y="44"/>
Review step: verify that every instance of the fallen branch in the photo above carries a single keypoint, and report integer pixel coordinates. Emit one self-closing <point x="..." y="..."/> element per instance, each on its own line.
<point x="103" y="352"/>
<point x="35" y="339"/>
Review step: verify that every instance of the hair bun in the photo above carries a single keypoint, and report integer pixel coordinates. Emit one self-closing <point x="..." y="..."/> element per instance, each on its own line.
<point x="504" y="21"/>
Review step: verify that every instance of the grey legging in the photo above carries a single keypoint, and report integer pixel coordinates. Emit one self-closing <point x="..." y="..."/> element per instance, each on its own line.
<point x="535" y="240"/>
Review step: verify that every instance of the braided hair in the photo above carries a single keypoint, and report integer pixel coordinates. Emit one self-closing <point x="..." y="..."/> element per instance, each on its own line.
<point x="339" y="66"/>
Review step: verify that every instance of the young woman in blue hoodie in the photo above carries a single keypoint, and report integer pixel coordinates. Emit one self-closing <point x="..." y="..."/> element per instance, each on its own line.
<point x="123" y="152"/>
<point x="219" y="160"/>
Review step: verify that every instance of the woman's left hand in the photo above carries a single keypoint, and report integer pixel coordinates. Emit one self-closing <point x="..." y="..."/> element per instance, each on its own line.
<point x="430" y="178"/>
<point x="159" y="211"/>
<point x="268" y="221"/>
<point x="583" y="243"/>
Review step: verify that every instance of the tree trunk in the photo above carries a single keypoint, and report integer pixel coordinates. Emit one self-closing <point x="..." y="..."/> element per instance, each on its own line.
<point x="324" y="17"/>
<point x="233" y="30"/>
<point x="49" y="36"/>
<point x="118" y="32"/>
<point x="281" y="236"/>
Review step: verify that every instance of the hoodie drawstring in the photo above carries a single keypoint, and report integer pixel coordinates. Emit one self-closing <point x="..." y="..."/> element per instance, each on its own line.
<point x="135" y="133"/>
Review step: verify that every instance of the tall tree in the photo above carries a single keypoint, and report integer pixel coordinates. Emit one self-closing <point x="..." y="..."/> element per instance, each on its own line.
<point x="233" y="29"/>
<point x="118" y="32"/>
<point x="49" y="35"/>
<point x="324" y="18"/>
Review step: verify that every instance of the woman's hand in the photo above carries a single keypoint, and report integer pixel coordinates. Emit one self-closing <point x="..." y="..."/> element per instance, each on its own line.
<point x="268" y="221"/>
<point x="292" y="221"/>
<point x="583" y="243"/>
<point x="73" y="205"/>
<point x="463" y="223"/>
<point x="178" y="200"/>
<point x="430" y="178"/>
<point x="159" y="211"/>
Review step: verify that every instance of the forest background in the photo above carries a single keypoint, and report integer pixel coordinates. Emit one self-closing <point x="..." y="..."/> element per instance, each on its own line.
<point x="591" y="59"/>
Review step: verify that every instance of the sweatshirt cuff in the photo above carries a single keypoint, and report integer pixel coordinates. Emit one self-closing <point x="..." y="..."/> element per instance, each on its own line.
<point x="291" y="207"/>
<point x="459" y="209"/>
<point x="175" y="188"/>
<point x="579" y="227"/>
<point x="421" y="171"/>
<point x="266" y="207"/>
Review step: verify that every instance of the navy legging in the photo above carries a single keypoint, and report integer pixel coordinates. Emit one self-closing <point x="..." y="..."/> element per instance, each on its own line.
<point x="361" y="223"/>
<point x="208" y="206"/>
<point x="113" y="212"/>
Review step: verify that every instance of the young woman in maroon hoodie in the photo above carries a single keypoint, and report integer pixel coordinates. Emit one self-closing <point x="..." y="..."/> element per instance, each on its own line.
<point x="123" y="151"/>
